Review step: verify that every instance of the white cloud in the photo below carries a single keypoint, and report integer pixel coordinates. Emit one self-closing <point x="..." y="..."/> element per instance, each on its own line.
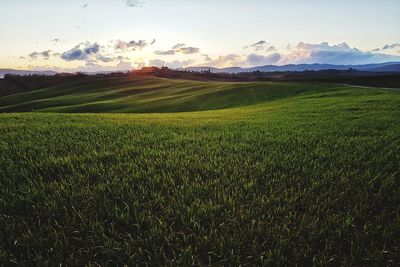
<point x="178" y="49"/>
<point x="176" y="64"/>
<point x="134" y="3"/>
<point x="230" y="60"/>
<point x="340" y="54"/>
<point x="258" y="60"/>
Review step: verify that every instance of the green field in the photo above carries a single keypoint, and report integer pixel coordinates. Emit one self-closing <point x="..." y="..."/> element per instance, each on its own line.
<point x="277" y="174"/>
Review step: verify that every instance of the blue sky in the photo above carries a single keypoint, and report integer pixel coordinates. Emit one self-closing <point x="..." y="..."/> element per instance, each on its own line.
<point x="123" y="34"/>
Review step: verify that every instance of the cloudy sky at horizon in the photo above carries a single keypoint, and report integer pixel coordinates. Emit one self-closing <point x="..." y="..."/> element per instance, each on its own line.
<point x="94" y="35"/>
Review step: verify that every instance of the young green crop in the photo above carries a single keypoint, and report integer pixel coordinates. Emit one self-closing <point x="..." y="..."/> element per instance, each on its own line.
<point x="308" y="177"/>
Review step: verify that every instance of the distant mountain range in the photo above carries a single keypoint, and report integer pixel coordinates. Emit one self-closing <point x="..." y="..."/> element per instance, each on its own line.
<point x="382" y="67"/>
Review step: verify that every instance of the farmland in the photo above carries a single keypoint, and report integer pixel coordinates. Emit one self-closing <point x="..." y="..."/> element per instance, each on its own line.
<point x="157" y="171"/>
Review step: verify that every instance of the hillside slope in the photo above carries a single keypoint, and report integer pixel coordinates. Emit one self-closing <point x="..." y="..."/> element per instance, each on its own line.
<point x="305" y="180"/>
<point x="142" y="95"/>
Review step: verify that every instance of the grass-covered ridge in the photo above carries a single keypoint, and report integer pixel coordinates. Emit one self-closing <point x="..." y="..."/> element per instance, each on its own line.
<point x="310" y="178"/>
<point x="138" y="95"/>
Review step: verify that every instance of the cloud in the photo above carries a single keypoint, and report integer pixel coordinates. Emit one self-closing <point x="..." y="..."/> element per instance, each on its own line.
<point x="258" y="60"/>
<point x="90" y="66"/>
<point x="176" y="64"/>
<point x="259" y="46"/>
<point x="163" y="53"/>
<point x="132" y="45"/>
<point x="206" y="57"/>
<point x="85" y="5"/>
<point x="82" y="51"/>
<point x="140" y="64"/>
<point x="134" y="3"/>
<point x="122" y="65"/>
<point x="188" y="50"/>
<point x="122" y="58"/>
<point x="178" y="49"/>
<point x="388" y="47"/>
<point x="104" y="59"/>
<point x="222" y="61"/>
<point x="157" y="63"/>
<point x="392" y="46"/>
<point x="340" y="54"/>
<point x="90" y="53"/>
<point x="303" y="53"/>
<point x="178" y="46"/>
<point x="44" y="55"/>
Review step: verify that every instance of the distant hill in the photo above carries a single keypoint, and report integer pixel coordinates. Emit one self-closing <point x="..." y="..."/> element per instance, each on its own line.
<point x="381" y="67"/>
<point x="25" y="72"/>
<point x="386" y="68"/>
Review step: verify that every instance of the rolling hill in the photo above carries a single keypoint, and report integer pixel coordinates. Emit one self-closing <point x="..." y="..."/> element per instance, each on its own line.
<point x="379" y="67"/>
<point x="258" y="174"/>
<point x="148" y="94"/>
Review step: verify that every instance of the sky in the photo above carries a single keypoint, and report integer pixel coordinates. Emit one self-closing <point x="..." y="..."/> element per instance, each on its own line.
<point x="96" y="35"/>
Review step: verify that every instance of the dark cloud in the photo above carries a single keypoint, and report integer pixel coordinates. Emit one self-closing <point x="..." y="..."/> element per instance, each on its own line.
<point x="258" y="60"/>
<point x="134" y="3"/>
<point x="85" y="5"/>
<point x="259" y="46"/>
<point x="44" y="55"/>
<point x="91" y="53"/>
<point x="132" y="45"/>
<point x="387" y="47"/>
<point x="392" y="46"/>
<point x="82" y="51"/>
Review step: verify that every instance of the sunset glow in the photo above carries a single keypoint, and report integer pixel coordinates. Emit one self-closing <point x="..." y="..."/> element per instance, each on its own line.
<point x="205" y="33"/>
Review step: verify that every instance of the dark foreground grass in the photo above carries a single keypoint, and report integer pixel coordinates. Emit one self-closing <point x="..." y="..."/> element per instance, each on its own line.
<point x="307" y="180"/>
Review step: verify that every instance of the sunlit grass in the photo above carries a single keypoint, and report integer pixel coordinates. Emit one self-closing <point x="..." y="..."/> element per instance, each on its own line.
<point x="306" y="178"/>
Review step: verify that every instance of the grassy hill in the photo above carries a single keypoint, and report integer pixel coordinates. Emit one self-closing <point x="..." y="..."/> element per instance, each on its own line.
<point x="138" y="95"/>
<point x="253" y="173"/>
